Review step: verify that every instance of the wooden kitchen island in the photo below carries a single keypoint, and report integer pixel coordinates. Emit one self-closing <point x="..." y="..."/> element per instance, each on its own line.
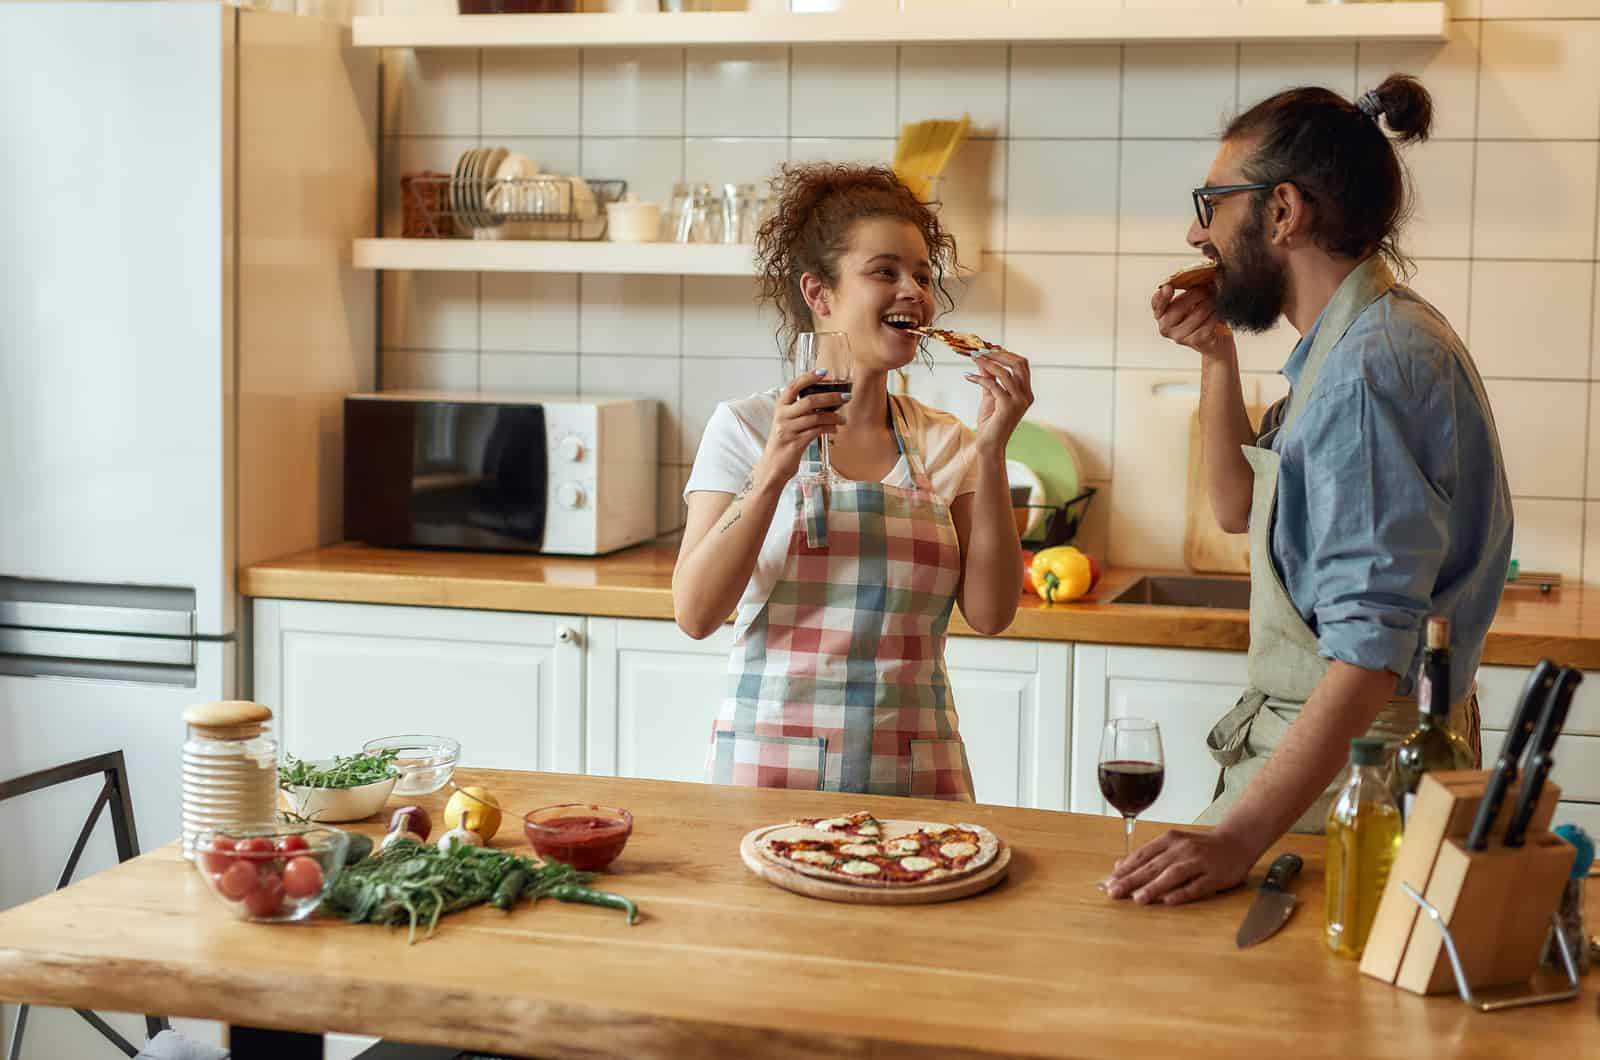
<point x="724" y="965"/>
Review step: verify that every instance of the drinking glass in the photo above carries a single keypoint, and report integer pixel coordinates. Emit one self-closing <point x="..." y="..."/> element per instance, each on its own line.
<point x="1131" y="769"/>
<point x="830" y="350"/>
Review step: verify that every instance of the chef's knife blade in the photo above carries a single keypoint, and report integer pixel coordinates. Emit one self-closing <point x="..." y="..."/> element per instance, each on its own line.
<point x="1535" y="693"/>
<point x="1540" y="761"/>
<point x="1273" y="904"/>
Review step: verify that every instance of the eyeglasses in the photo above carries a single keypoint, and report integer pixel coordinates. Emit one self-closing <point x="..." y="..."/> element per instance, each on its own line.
<point x="1204" y="209"/>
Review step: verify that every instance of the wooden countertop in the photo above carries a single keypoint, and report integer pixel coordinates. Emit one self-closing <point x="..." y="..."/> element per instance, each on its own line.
<point x="724" y="965"/>
<point x="637" y="583"/>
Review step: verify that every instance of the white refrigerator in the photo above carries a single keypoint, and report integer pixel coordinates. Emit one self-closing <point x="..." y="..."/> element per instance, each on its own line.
<point x="179" y="187"/>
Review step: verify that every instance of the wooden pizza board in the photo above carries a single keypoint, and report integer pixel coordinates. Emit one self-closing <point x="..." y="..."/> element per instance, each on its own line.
<point x="1207" y="548"/>
<point x="917" y="894"/>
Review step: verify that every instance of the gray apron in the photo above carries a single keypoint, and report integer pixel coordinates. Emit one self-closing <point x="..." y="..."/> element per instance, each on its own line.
<point x="1285" y="663"/>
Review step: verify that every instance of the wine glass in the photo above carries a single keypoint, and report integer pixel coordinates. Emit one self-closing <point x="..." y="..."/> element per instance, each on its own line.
<point x="1131" y="769"/>
<point x="830" y="350"/>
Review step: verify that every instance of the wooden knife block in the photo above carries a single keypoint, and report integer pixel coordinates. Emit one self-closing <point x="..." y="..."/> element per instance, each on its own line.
<point x="1497" y="902"/>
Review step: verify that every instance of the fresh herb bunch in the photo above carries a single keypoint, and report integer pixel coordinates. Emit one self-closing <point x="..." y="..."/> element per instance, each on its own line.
<point x="412" y="883"/>
<point x="347" y="771"/>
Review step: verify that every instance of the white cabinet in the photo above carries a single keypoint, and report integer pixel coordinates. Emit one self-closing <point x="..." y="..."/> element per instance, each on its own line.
<point x="653" y="694"/>
<point x="613" y="697"/>
<point x="509" y="686"/>
<point x="1186" y="691"/>
<point x="1013" y="699"/>
<point x="1577" y="754"/>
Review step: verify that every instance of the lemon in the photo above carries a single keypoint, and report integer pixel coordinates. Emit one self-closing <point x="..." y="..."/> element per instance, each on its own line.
<point x="475" y="810"/>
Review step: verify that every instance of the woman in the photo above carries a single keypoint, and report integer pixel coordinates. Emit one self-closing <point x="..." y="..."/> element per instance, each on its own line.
<point x="837" y="676"/>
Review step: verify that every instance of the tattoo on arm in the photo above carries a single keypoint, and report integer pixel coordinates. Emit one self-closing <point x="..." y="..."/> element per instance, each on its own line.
<point x="736" y="510"/>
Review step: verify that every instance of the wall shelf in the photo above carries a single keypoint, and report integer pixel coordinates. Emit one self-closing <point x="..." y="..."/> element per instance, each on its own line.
<point x="529" y="255"/>
<point x="1319" y="22"/>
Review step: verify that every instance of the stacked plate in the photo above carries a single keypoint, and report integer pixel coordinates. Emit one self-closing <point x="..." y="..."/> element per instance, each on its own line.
<point x="474" y="176"/>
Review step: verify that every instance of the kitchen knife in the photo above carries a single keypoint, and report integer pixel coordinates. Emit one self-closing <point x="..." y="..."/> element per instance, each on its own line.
<point x="1273" y="904"/>
<point x="1535" y="693"/>
<point x="1540" y="761"/>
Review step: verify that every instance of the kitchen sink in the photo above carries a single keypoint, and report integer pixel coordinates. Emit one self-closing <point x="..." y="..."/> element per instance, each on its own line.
<point x="1187" y="590"/>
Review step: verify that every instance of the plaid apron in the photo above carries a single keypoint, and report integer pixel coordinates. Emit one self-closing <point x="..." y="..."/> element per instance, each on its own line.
<point x="839" y="683"/>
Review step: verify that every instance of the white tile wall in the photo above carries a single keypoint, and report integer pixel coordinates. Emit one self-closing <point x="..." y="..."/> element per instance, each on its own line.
<point x="1076" y="187"/>
<point x="1063" y="195"/>
<point x="1268" y="68"/>
<point x="1530" y="319"/>
<point x="1178" y="90"/>
<point x="1535" y="199"/>
<point x="531" y="93"/>
<point x="1541" y="80"/>
<point x="1056" y="328"/>
<point x="1065" y="91"/>
<point x="1542" y="433"/>
<point x="846" y="91"/>
<point x="737" y="92"/>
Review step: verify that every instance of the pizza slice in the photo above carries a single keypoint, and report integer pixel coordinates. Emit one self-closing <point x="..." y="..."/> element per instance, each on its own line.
<point x="860" y="823"/>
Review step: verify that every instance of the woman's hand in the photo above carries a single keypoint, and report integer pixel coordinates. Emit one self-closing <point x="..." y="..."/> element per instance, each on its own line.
<point x="1189" y="318"/>
<point x="796" y="423"/>
<point x="1007" y="395"/>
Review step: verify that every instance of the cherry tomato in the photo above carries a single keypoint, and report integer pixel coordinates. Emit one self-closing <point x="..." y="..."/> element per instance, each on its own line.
<point x="291" y="843"/>
<point x="219" y="856"/>
<point x="302" y="877"/>
<point x="267" y="897"/>
<point x="256" y="849"/>
<point x="237" y="881"/>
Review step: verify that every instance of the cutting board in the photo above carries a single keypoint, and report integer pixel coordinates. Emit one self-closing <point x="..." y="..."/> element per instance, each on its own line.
<point x="812" y="887"/>
<point x="1207" y="548"/>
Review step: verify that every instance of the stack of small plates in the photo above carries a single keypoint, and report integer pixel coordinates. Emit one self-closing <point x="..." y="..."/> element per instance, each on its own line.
<point x="470" y="183"/>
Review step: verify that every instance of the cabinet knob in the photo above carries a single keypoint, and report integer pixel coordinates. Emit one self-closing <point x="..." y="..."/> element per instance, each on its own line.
<point x="568" y="635"/>
<point x="571" y="448"/>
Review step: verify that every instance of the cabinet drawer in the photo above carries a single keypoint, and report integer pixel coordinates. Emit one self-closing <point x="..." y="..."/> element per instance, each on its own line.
<point x="1499" y="687"/>
<point x="1577" y="767"/>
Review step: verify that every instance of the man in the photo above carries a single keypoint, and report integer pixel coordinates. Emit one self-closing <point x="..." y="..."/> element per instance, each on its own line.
<point x="1374" y="496"/>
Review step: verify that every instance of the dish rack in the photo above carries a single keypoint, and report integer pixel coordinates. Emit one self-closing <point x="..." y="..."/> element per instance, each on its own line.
<point x="440" y="206"/>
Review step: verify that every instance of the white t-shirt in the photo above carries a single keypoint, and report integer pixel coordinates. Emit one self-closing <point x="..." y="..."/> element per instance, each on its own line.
<point x="736" y="436"/>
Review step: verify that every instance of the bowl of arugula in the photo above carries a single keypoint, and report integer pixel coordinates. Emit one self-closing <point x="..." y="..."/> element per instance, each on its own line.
<point x="345" y="788"/>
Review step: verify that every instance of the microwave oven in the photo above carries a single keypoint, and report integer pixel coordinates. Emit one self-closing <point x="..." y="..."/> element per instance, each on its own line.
<point x="495" y="472"/>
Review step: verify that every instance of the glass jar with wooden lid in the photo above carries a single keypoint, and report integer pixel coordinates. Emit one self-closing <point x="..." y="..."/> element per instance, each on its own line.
<point x="230" y="768"/>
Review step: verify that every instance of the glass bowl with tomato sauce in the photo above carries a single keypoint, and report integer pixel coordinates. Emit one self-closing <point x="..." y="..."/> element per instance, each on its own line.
<point x="580" y="834"/>
<point x="271" y="874"/>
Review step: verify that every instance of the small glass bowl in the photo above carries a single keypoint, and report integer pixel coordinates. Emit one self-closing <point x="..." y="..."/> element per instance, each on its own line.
<point x="588" y="847"/>
<point x="426" y="763"/>
<point x="271" y="874"/>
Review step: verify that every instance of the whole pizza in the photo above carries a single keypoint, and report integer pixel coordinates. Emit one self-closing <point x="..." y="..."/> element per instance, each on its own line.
<point x="856" y="849"/>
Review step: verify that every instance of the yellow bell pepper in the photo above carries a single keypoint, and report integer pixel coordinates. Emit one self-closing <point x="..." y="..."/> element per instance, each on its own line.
<point x="1061" y="574"/>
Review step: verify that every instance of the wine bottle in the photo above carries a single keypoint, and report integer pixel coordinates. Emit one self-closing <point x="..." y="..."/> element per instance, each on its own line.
<point x="1432" y="745"/>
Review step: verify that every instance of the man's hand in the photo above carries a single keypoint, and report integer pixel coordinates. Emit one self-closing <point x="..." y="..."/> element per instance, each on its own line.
<point x="1181" y="867"/>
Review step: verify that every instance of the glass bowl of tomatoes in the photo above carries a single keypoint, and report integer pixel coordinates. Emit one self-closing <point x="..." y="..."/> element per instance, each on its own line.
<point x="271" y="874"/>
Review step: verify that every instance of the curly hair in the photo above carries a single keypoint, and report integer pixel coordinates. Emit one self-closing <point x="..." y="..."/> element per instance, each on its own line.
<point x="819" y="205"/>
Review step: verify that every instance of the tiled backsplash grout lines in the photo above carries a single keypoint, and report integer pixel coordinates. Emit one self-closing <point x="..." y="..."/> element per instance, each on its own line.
<point x="1069" y="206"/>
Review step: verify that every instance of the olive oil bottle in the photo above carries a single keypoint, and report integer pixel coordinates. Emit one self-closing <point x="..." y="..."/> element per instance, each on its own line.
<point x="1433" y="744"/>
<point x="1363" y="836"/>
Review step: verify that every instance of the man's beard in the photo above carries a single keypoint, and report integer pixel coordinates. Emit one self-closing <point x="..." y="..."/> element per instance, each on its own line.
<point x="1251" y="287"/>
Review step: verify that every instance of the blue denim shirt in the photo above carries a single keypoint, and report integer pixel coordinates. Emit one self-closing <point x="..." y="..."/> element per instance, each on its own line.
<point x="1392" y="495"/>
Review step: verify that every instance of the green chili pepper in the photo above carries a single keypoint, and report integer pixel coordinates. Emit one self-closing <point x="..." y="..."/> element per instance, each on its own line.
<point x="572" y="892"/>
<point x="509" y="890"/>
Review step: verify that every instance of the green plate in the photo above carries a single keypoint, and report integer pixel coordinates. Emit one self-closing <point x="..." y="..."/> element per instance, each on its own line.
<point x="1046" y="451"/>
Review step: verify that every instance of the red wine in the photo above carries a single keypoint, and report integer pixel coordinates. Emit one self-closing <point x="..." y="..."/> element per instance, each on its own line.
<point x="1131" y="786"/>
<point x="826" y="388"/>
